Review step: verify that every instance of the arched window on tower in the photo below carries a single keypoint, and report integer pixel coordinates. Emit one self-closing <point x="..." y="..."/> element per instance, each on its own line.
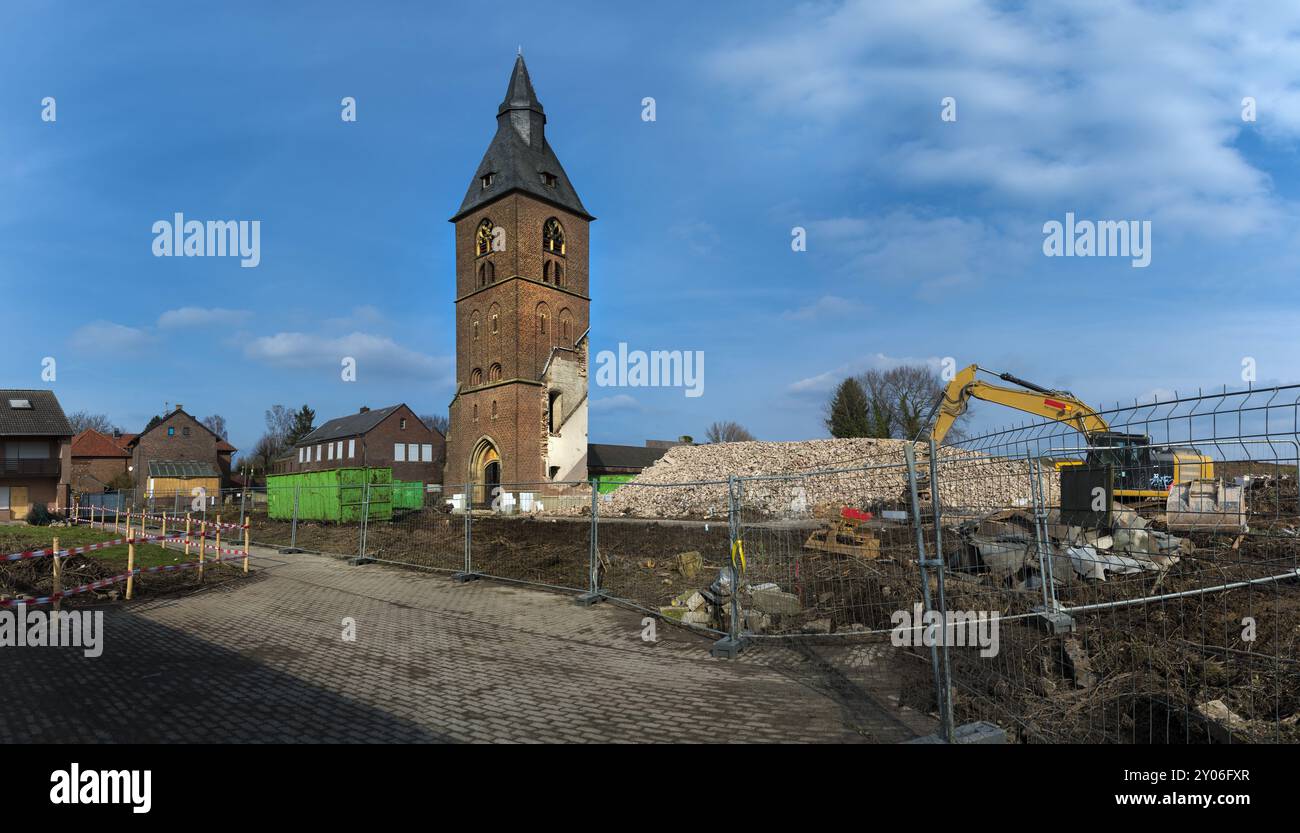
<point x="483" y="239"/>
<point x="482" y="275"/>
<point x="559" y="274"/>
<point x="494" y="409"/>
<point x="553" y="237"/>
<point x="543" y="316"/>
<point x="476" y="377"/>
<point x="494" y="373"/>
<point x="546" y="272"/>
<point x="491" y="269"/>
<point x="566" y="327"/>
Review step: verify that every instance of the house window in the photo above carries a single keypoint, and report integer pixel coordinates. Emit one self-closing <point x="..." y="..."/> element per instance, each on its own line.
<point x="402" y="426"/>
<point x="413" y="452"/>
<point x="399" y="452"/>
<point x="340" y="449"/>
<point x="299" y="455"/>
<point x="553" y="237"/>
<point x="483" y="238"/>
<point x="318" y="453"/>
<point x="426" y="452"/>
<point x="185" y="432"/>
<point x="171" y="431"/>
<point x="20" y="404"/>
<point x="352" y="449"/>
<point x="330" y="454"/>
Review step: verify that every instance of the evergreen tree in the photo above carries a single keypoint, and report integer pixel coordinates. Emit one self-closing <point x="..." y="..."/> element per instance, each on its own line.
<point x="848" y="411"/>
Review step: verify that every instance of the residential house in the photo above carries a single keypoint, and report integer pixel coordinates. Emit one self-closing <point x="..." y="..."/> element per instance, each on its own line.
<point x="178" y="455"/>
<point x="385" y="437"/>
<point x="98" y="459"/>
<point x="35" y="453"/>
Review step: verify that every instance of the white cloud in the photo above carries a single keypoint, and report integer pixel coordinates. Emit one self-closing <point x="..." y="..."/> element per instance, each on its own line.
<point x="822" y="384"/>
<point x="106" y="336"/>
<point x="377" y="355"/>
<point x="1127" y="108"/>
<point x="826" y="307"/>
<point x="934" y="255"/>
<point x="618" y="402"/>
<point x="202" y="317"/>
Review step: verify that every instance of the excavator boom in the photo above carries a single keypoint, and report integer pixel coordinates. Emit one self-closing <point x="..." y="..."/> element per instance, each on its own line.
<point x="1039" y="401"/>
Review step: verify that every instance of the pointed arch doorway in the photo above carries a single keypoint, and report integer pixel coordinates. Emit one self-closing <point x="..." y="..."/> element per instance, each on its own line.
<point x="485" y="468"/>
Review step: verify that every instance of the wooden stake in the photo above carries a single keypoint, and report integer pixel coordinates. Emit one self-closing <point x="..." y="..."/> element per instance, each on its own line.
<point x="163" y="542"/>
<point x="245" y="545"/>
<point x="203" y="534"/>
<point x="187" y="536"/>
<point x="130" y="571"/>
<point x="58" y="574"/>
<point x="218" y="548"/>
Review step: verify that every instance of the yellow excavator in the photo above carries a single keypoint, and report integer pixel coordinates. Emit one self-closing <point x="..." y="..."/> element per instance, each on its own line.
<point x="1141" y="469"/>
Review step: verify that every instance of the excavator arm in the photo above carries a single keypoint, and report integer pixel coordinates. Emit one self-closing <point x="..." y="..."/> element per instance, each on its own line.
<point x="1039" y="401"/>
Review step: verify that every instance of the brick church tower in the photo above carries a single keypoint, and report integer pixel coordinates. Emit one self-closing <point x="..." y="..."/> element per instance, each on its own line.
<point x="522" y="306"/>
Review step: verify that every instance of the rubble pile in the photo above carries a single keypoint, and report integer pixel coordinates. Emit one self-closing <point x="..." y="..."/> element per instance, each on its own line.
<point x="1005" y="546"/>
<point x="967" y="480"/>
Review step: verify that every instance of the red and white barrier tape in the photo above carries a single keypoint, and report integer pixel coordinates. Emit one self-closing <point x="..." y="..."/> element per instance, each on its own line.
<point x="102" y="545"/>
<point x="107" y="582"/>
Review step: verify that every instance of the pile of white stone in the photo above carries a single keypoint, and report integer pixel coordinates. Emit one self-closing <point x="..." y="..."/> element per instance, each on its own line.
<point x="815" y="478"/>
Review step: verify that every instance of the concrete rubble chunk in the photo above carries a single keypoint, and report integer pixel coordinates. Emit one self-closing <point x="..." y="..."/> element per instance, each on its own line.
<point x="774" y="601"/>
<point x="690" y="563"/>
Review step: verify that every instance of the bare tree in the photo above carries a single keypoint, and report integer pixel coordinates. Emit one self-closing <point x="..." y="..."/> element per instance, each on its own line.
<point x="217" y="425"/>
<point x="901" y="399"/>
<point x="727" y="432"/>
<point x="83" y="420"/>
<point x="436" y="422"/>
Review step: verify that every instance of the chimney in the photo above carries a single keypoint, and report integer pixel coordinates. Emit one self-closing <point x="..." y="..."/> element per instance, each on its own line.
<point x="117" y="433"/>
<point x="179" y="406"/>
<point x="364" y="410"/>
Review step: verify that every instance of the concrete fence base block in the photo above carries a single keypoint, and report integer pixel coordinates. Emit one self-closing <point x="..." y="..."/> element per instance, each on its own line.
<point x="1054" y="622"/>
<point x="461" y="578"/>
<point x="727" y="648"/>
<point x="360" y="560"/>
<point x="980" y="732"/>
<point x="589" y="599"/>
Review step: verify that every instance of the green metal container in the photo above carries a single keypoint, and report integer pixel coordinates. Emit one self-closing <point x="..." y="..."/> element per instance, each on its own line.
<point x="336" y="495"/>
<point x="408" y="495"/>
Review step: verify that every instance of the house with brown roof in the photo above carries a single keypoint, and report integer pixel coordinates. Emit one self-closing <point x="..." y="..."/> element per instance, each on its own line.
<point x="98" y="459"/>
<point x="35" y="453"/>
<point x="177" y="453"/>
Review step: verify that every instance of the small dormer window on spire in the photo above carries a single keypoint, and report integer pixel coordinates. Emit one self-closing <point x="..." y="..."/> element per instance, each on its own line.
<point x="486" y="179"/>
<point x="550" y="180"/>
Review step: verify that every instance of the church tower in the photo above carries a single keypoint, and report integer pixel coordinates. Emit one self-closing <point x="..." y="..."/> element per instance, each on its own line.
<point x="522" y="305"/>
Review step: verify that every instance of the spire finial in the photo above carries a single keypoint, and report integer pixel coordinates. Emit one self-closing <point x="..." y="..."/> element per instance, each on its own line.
<point x="520" y="53"/>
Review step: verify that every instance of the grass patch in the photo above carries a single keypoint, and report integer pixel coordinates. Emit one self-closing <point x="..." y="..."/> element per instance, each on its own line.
<point x="20" y="538"/>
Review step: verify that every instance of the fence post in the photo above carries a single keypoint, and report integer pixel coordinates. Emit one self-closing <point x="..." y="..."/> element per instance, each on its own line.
<point x="58" y="575"/>
<point x="731" y="645"/>
<point x="203" y="535"/>
<point x="130" y="570"/>
<point x="941" y="697"/>
<point x="365" y="523"/>
<point x="467" y="574"/>
<point x="217" y="548"/>
<point x="293" y="526"/>
<point x="940" y="567"/>
<point x="243" y="493"/>
<point x="593" y="593"/>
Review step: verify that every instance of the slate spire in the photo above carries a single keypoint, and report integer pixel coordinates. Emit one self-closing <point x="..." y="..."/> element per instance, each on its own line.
<point x="519" y="158"/>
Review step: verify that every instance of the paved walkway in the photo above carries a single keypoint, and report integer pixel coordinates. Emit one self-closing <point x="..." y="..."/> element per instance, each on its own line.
<point x="262" y="659"/>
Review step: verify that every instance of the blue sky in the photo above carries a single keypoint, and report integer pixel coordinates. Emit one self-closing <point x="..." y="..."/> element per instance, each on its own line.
<point x="924" y="236"/>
